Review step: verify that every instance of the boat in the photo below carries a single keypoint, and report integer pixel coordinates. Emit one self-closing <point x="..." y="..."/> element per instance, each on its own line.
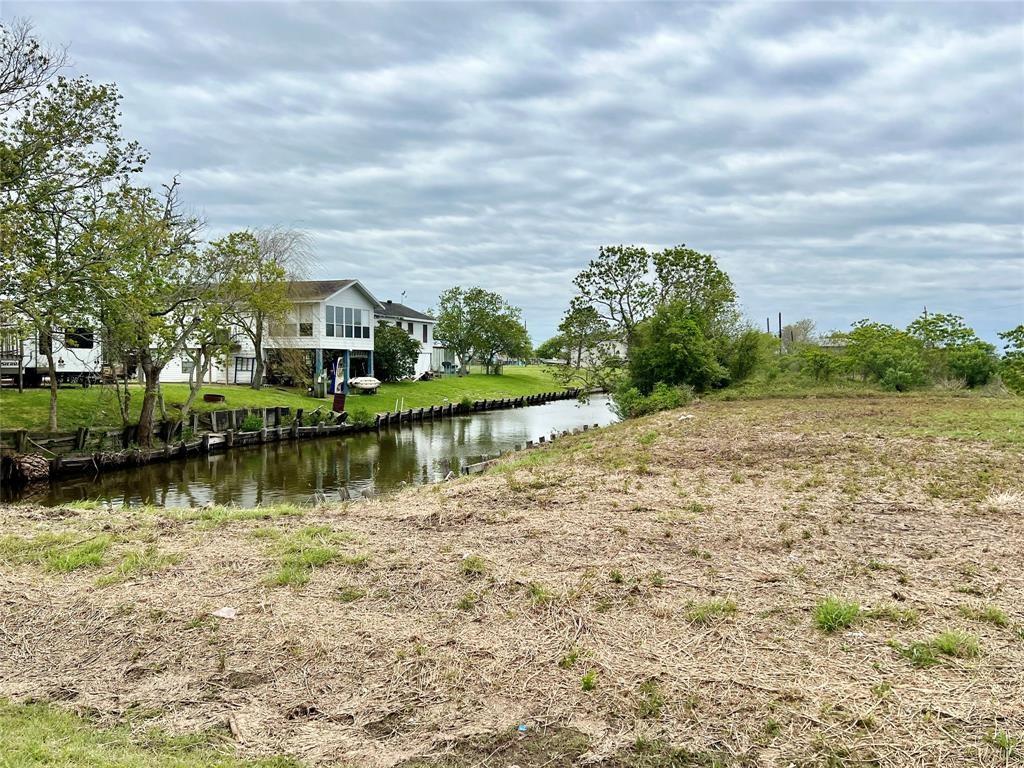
<point x="364" y="383"/>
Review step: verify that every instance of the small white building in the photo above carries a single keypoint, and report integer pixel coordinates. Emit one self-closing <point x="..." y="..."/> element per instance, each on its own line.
<point x="417" y="324"/>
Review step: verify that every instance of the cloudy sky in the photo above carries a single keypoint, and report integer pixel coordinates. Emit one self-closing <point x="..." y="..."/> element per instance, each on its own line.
<point x="842" y="161"/>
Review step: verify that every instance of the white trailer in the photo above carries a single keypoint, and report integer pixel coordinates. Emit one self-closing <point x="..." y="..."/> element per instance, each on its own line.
<point x="76" y="353"/>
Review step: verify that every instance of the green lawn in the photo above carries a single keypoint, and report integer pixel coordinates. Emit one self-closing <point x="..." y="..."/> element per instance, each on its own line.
<point x="38" y="735"/>
<point x="97" y="406"/>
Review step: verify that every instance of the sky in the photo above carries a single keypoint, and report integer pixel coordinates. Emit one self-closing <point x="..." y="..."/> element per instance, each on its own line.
<point x="841" y="161"/>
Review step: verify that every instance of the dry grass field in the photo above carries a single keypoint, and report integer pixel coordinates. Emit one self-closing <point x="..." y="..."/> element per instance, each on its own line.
<point x="833" y="582"/>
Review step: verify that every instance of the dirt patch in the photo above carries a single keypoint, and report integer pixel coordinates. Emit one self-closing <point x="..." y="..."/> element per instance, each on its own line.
<point x="642" y="595"/>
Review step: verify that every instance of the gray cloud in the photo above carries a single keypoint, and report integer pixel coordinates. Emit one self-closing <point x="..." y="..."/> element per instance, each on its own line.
<point x="841" y="160"/>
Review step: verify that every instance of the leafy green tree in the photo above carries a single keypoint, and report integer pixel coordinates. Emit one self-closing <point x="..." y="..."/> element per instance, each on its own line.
<point x="394" y="353"/>
<point x="975" y="363"/>
<point x="885" y="354"/>
<point x="1011" y="368"/>
<point x="264" y="263"/>
<point x="745" y="352"/>
<point x="820" y="363"/>
<point x="480" y="325"/>
<point x="154" y="291"/>
<point x="671" y="348"/>
<point x="554" y="348"/>
<point x="502" y="336"/>
<point x="952" y="348"/>
<point x="625" y="285"/>
<point x="61" y="158"/>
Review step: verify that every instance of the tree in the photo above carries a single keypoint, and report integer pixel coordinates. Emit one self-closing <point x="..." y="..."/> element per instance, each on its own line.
<point x="502" y="336"/>
<point x="625" y="285"/>
<point x="394" y="353"/>
<point x="617" y="287"/>
<point x="61" y="155"/>
<point x="952" y="348"/>
<point x="157" y="286"/>
<point x="1011" y="368"/>
<point x="265" y="263"/>
<point x="671" y="348"/>
<point x="886" y="354"/>
<point x="554" y="348"/>
<point x="796" y="336"/>
<point x="479" y="324"/>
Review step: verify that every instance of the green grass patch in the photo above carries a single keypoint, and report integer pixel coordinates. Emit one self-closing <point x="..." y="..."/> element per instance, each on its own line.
<point x="986" y="613"/>
<point x="97" y="406"/>
<point x="38" y="736"/>
<point x="300" y="553"/>
<point x="56" y="552"/>
<point x="928" y="653"/>
<point x="833" y="614"/>
<point x="650" y="700"/>
<point x="709" y="611"/>
<point x="473" y="565"/>
<point x="539" y="594"/>
<point x="212" y="517"/>
<point x="139" y="562"/>
<point x="589" y="680"/>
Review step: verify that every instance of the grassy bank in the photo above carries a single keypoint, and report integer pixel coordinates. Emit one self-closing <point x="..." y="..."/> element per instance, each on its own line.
<point x="768" y="583"/>
<point x="97" y="406"/>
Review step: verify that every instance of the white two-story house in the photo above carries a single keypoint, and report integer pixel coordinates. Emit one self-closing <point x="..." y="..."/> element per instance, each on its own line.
<point x="330" y="323"/>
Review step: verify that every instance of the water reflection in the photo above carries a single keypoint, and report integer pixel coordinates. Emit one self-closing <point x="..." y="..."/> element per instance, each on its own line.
<point x="302" y="471"/>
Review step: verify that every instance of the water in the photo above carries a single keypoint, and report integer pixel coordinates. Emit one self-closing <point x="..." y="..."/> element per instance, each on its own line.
<point x="302" y="471"/>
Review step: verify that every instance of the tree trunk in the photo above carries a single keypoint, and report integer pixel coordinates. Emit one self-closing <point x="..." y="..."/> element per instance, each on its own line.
<point x="146" y="417"/>
<point x="195" y="382"/>
<point x="52" y="368"/>
<point x="257" y="372"/>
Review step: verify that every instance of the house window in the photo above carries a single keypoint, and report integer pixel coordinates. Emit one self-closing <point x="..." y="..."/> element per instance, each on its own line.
<point x="330" y="321"/>
<point x="366" y="330"/>
<point x="348" y="322"/>
<point x="187" y="366"/>
<point x="245" y="363"/>
<point x="357" y="323"/>
<point x="305" y="329"/>
<point x="78" y="338"/>
<point x="424" y="333"/>
<point x="410" y="329"/>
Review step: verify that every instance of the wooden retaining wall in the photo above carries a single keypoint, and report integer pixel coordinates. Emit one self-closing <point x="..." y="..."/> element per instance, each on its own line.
<point x="74" y="458"/>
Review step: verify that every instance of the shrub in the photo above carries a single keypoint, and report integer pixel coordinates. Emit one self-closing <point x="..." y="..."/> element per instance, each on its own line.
<point x="819" y="363"/>
<point x="251" y="423"/>
<point x="629" y="403"/>
<point x="974" y="363"/>
<point x="672" y="347"/>
<point x="394" y="353"/>
<point x="748" y="352"/>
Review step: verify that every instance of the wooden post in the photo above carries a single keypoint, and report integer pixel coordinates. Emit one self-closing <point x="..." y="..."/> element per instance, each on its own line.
<point x="20" y="440"/>
<point x="205" y="444"/>
<point x="213" y="421"/>
<point x="229" y="438"/>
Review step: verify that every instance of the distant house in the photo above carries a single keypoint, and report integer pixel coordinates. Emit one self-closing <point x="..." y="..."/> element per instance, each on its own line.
<point x="331" y="323"/>
<point x="330" y="326"/>
<point x="418" y="325"/>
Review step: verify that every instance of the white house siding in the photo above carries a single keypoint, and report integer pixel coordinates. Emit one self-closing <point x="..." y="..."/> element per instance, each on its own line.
<point x="307" y="327"/>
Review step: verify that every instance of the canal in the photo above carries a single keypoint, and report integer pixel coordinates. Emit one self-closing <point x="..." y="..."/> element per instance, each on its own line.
<point x="329" y="469"/>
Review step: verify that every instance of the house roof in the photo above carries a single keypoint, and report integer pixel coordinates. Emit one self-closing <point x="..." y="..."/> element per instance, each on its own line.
<point x="394" y="309"/>
<point x="318" y="290"/>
